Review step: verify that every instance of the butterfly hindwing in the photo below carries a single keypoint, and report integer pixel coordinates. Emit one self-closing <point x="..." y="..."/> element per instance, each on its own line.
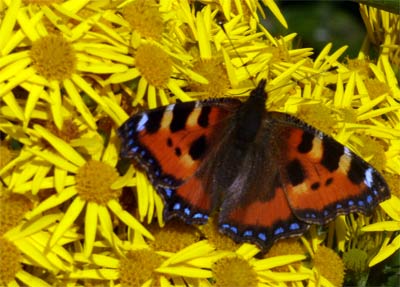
<point x="321" y="177"/>
<point x="170" y="143"/>
<point x="254" y="207"/>
<point x="263" y="221"/>
<point x="191" y="201"/>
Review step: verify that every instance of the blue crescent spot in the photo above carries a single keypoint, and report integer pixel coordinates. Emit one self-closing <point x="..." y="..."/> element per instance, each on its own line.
<point x="338" y="206"/>
<point x="312" y="215"/>
<point x="360" y="203"/>
<point x="248" y="233"/>
<point x="369" y="199"/>
<point x="294" y="226"/>
<point x="135" y="149"/>
<point x="234" y="229"/>
<point x="198" y="215"/>
<point x="168" y="192"/>
<point x="279" y="230"/>
<point x="350" y="202"/>
<point x="187" y="211"/>
<point x="326" y="212"/>
<point x="262" y="236"/>
<point x="177" y="206"/>
<point x="130" y="132"/>
<point x="225" y="226"/>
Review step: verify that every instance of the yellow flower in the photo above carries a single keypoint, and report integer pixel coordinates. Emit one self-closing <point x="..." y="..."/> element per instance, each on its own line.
<point x="142" y="266"/>
<point x="158" y="61"/>
<point x="233" y="271"/>
<point x="358" y="247"/>
<point x="213" y="49"/>
<point x="155" y="68"/>
<point x="6" y="155"/>
<point x="86" y="183"/>
<point x="216" y="238"/>
<point x="173" y="236"/>
<point x="70" y="208"/>
<point x="145" y="18"/>
<point x="383" y="29"/>
<point x="386" y="230"/>
<point x="38" y="67"/>
<point x="329" y="265"/>
<point x="23" y="244"/>
<point x="249" y="10"/>
<point x="228" y="268"/>
<point x="286" y="247"/>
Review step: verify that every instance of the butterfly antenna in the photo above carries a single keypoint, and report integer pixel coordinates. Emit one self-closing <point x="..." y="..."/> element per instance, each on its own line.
<point x="3" y="182"/>
<point x="236" y="52"/>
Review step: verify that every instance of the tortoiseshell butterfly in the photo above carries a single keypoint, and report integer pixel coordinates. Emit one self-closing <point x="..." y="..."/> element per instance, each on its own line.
<point x="268" y="174"/>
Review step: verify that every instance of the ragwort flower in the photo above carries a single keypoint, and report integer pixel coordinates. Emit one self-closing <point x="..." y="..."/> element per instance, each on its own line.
<point x="49" y="67"/>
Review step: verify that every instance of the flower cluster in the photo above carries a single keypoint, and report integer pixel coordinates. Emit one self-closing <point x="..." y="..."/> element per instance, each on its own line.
<point x="71" y="72"/>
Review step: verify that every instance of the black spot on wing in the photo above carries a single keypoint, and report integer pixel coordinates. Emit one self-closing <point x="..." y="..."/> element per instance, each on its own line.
<point x="295" y="172"/>
<point x="315" y="185"/>
<point x="178" y="151"/>
<point x="180" y="114"/>
<point x="169" y="142"/>
<point x="198" y="147"/>
<point x="203" y="118"/>
<point x="153" y="124"/>
<point x="356" y="171"/>
<point x="306" y="143"/>
<point x="331" y="153"/>
<point x="329" y="181"/>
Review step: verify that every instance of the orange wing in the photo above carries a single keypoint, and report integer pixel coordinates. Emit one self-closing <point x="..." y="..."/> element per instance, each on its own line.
<point x="254" y="207"/>
<point x="171" y="143"/>
<point x="293" y="176"/>
<point x="262" y="221"/>
<point x="191" y="201"/>
<point x="322" y="178"/>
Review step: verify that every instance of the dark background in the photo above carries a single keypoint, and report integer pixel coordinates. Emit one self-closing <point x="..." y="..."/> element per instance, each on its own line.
<point x="320" y="22"/>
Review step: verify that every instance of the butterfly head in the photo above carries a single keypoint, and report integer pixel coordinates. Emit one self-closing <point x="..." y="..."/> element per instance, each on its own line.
<point x="259" y="91"/>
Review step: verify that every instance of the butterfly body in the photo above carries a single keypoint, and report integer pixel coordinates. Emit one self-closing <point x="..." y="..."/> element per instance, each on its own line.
<point x="267" y="174"/>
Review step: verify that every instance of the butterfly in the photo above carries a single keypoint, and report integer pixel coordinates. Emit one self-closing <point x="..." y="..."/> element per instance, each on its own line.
<point x="266" y="175"/>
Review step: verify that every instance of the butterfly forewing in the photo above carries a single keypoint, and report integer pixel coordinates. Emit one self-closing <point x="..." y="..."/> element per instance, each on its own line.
<point x="321" y="177"/>
<point x="171" y="143"/>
